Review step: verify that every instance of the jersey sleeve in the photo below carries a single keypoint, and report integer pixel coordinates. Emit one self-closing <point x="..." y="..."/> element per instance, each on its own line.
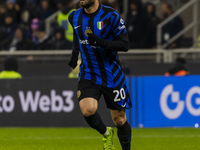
<point x="75" y="52"/>
<point x="121" y="41"/>
<point x="75" y="37"/>
<point x="118" y="26"/>
<point x="71" y="16"/>
<point x="76" y="48"/>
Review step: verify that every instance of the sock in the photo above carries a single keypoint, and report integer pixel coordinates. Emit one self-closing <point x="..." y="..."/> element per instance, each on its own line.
<point x="124" y="135"/>
<point x="106" y="133"/>
<point x="96" y="122"/>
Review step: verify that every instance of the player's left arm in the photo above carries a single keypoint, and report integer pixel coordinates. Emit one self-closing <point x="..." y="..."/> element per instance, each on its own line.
<point x="121" y="42"/>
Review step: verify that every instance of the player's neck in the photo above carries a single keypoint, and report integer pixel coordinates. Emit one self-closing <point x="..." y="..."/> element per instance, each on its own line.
<point x="92" y="9"/>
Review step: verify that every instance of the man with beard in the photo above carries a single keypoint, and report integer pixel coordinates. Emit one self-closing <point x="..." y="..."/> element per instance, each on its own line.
<point x="99" y="33"/>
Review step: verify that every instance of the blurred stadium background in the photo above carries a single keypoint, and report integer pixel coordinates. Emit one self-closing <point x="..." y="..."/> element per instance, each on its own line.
<point x="162" y="69"/>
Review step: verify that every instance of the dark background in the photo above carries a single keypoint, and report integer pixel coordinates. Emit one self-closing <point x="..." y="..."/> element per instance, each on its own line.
<point x="61" y="69"/>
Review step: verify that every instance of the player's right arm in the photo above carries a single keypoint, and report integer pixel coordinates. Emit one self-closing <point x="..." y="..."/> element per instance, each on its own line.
<point x="121" y="42"/>
<point x="75" y="51"/>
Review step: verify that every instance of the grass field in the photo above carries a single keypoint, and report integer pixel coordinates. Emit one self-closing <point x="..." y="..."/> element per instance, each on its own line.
<point x="89" y="139"/>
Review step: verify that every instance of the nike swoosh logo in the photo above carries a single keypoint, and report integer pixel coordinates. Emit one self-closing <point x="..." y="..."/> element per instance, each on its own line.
<point x="76" y="27"/>
<point x="124" y="105"/>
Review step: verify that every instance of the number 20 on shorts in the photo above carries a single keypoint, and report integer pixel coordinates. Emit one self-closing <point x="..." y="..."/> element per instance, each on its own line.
<point x="120" y="95"/>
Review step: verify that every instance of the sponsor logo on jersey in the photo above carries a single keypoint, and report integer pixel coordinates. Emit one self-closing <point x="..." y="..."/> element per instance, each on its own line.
<point x="84" y="42"/>
<point x="100" y="25"/>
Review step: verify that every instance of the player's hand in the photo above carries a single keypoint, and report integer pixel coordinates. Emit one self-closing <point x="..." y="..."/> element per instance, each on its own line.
<point x="95" y="40"/>
<point x="72" y="63"/>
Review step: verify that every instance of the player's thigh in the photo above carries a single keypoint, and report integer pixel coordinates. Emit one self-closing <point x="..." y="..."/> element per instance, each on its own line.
<point x="88" y="95"/>
<point x="118" y="116"/>
<point x="88" y="106"/>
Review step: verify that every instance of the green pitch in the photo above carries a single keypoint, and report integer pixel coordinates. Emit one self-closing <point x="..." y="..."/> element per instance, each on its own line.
<point x="88" y="139"/>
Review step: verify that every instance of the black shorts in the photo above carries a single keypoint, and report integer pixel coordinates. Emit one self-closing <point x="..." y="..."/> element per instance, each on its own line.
<point x="116" y="99"/>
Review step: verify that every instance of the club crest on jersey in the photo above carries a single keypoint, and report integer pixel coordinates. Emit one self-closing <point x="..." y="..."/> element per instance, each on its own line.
<point x="100" y="25"/>
<point x="88" y="31"/>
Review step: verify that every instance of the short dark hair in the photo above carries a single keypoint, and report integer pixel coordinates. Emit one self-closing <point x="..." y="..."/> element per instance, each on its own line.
<point x="11" y="64"/>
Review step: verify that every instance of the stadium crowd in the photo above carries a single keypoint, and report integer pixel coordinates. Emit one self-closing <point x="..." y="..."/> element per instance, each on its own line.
<point x="22" y="24"/>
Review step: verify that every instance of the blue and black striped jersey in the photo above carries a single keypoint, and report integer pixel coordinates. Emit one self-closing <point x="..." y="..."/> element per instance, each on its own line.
<point x="99" y="64"/>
